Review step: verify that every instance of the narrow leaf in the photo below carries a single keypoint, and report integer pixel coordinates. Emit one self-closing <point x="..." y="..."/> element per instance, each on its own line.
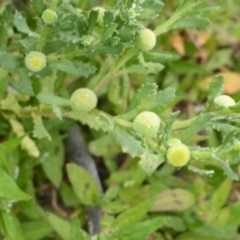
<point x="52" y="99"/>
<point x="191" y="22"/>
<point x="37" y="5"/>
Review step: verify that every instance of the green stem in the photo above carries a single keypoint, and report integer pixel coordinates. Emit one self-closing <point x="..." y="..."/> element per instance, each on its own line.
<point x="201" y="154"/>
<point x="40" y="46"/>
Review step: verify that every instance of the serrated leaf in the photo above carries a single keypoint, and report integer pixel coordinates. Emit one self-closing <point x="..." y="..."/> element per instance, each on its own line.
<point x="143" y="229"/>
<point x="133" y="215"/>
<point x="51" y="99"/>
<point x="10" y="190"/>
<point x="173" y="200"/>
<point x="7" y="61"/>
<point x="29" y="43"/>
<point x="197" y="124"/>
<point x="20" y="23"/>
<point x="191" y="22"/>
<point x="83" y="184"/>
<point x="144" y="96"/>
<point x="37" y="5"/>
<point x="93" y="15"/>
<point x="61" y="226"/>
<point x="127" y="142"/>
<point x="162" y="98"/>
<point x="153" y="68"/>
<point x="108" y="32"/>
<point x="221" y="194"/>
<point x="150" y="162"/>
<point x="200" y="171"/>
<point x="226" y="168"/>
<point x="75" y="68"/>
<point x="137" y="69"/>
<point x="24" y="85"/>
<point x="39" y="130"/>
<point x="215" y="89"/>
<point x="58" y="111"/>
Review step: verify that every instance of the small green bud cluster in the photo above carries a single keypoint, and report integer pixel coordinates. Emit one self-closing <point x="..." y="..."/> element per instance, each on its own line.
<point x="87" y="40"/>
<point x="3" y="73"/>
<point x="100" y="18"/>
<point x="178" y="155"/>
<point x="223" y="101"/>
<point x="146" y="40"/>
<point x="147" y="124"/>
<point x="83" y="100"/>
<point x="49" y="16"/>
<point x="35" y="61"/>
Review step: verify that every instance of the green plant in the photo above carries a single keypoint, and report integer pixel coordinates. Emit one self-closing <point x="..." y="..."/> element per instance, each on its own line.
<point x="113" y="70"/>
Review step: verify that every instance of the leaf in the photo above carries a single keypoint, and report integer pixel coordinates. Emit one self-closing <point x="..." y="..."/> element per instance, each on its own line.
<point x="39" y="130"/>
<point x="11" y="144"/>
<point x="36" y="230"/>
<point x="3" y="86"/>
<point x="29" y="43"/>
<point x="200" y="171"/>
<point x="133" y="215"/>
<point x="93" y="15"/>
<point x="191" y="22"/>
<point x="162" y="98"/>
<point x="221" y="194"/>
<point x="7" y="61"/>
<point x="226" y="168"/>
<point x="197" y="124"/>
<point x="76" y="232"/>
<point x="142" y="229"/>
<point x="108" y="32"/>
<point x="51" y="99"/>
<point x="160" y="57"/>
<point x="137" y="69"/>
<point x="75" y="68"/>
<point x="127" y="142"/>
<point x="83" y="184"/>
<point x="38" y="6"/>
<point x="144" y="96"/>
<point x="215" y="89"/>
<point x="150" y="162"/>
<point x="10" y="226"/>
<point x="21" y="25"/>
<point x="61" y="226"/>
<point x="10" y="190"/>
<point x="173" y="200"/>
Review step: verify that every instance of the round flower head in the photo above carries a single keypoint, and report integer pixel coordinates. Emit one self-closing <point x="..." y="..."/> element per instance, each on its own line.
<point x="223" y="101"/>
<point x="49" y="16"/>
<point x="101" y="12"/>
<point x="83" y="100"/>
<point x="35" y="61"/>
<point x="146" y="39"/>
<point x="147" y="124"/>
<point x="178" y="155"/>
<point x="87" y="40"/>
<point x="3" y="73"/>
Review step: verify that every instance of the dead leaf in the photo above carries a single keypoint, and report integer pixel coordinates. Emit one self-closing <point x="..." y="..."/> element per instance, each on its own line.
<point x="177" y="43"/>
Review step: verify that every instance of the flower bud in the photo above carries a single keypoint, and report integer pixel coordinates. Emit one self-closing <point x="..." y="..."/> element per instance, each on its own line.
<point x="147" y="124"/>
<point x="83" y="100"/>
<point x="87" y="40"/>
<point x="35" y="61"/>
<point x="223" y="101"/>
<point x="49" y="16"/>
<point x="146" y="40"/>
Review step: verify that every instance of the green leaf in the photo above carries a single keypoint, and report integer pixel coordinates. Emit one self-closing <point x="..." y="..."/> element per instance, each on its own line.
<point x="173" y="200"/>
<point x="51" y="99"/>
<point x="38" y="6"/>
<point x="127" y="142"/>
<point x="226" y="168"/>
<point x="10" y="190"/>
<point x="160" y="57"/>
<point x="11" y="144"/>
<point x="108" y="32"/>
<point x="163" y="98"/>
<point x="7" y="61"/>
<point x="133" y="215"/>
<point x="24" y="85"/>
<point x="150" y="162"/>
<point x="76" y="232"/>
<point x="137" y="69"/>
<point x="83" y="184"/>
<point x="191" y="22"/>
<point x="215" y="89"/>
<point x="92" y="21"/>
<point x="221" y="194"/>
<point x="36" y="230"/>
<point x="144" y="96"/>
<point x="29" y="43"/>
<point x="197" y="124"/>
<point x="75" y="68"/>
<point x="61" y="226"/>
<point x="200" y="171"/>
<point x="143" y="229"/>
<point x="39" y="130"/>
<point x="10" y="226"/>
<point x="3" y="86"/>
<point x="20" y="23"/>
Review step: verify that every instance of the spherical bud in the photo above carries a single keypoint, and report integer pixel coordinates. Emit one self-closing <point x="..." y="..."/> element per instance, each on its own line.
<point x="101" y="12"/>
<point x="87" y="40"/>
<point x="223" y="101"/>
<point x="83" y="100"/>
<point x="49" y="16"/>
<point x="146" y="40"/>
<point x="147" y="124"/>
<point x="3" y="73"/>
<point x="173" y="141"/>
<point x="236" y="145"/>
<point x="178" y="155"/>
<point x="35" y="61"/>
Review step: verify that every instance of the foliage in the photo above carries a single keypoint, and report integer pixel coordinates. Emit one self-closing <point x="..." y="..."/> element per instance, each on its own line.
<point x="178" y="77"/>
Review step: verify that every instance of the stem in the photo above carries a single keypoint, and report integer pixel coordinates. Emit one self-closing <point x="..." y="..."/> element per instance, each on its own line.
<point x="201" y="154"/>
<point x="42" y="43"/>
